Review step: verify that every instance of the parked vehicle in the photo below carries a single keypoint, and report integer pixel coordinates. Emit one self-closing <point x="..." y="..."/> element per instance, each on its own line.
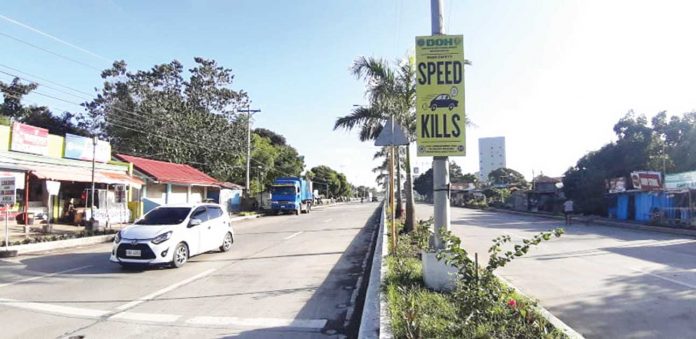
<point x="291" y="194"/>
<point x="443" y="100"/>
<point x="171" y="234"/>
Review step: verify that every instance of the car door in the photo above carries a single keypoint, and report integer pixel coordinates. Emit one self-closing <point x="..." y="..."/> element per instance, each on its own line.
<point x="197" y="234"/>
<point x="214" y="228"/>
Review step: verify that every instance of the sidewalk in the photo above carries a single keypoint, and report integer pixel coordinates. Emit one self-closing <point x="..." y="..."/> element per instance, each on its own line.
<point x="17" y="231"/>
<point x="584" y="220"/>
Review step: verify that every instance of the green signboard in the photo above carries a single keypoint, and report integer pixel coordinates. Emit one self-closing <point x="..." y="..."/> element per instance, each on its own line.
<point x="440" y="117"/>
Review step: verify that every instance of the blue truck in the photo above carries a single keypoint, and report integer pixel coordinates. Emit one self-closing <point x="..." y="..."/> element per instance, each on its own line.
<point x="291" y="194"/>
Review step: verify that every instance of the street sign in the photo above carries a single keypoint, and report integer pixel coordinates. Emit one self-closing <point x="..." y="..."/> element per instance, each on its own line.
<point x="392" y="134"/>
<point x="8" y="192"/>
<point x="440" y="117"/>
<point x="52" y="187"/>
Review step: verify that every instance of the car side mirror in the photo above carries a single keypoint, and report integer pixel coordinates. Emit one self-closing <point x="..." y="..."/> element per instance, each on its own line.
<point x="194" y="222"/>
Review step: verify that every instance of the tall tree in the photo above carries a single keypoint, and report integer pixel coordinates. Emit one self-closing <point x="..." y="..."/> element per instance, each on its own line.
<point x="157" y="113"/>
<point x="40" y="116"/>
<point x="391" y="92"/>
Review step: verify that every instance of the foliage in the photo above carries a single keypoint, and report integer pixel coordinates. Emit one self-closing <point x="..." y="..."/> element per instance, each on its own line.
<point x="480" y="307"/>
<point x="507" y="177"/>
<point x="38" y="116"/>
<point x="157" y="113"/>
<point x="325" y="177"/>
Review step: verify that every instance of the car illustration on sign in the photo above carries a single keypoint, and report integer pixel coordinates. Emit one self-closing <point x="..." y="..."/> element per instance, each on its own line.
<point x="443" y="100"/>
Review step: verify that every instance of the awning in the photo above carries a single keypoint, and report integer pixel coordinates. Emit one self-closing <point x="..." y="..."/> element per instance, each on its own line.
<point x="85" y="175"/>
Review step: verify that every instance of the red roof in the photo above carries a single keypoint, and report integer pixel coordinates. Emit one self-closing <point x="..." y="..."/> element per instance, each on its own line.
<point x="169" y="172"/>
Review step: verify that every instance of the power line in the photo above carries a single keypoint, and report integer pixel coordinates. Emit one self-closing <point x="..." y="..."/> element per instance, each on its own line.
<point x="47" y="80"/>
<point x="36" y="30"/>
<point x="53" y="88"/>
<point x="50" y="52"/>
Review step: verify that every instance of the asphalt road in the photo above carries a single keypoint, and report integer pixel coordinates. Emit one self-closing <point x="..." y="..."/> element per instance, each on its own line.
<point x="605" y="282"/>
<point x="285" y="277"/>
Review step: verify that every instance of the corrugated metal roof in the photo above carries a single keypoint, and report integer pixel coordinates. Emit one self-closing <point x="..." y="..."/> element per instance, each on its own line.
<point x="168" y="172"/>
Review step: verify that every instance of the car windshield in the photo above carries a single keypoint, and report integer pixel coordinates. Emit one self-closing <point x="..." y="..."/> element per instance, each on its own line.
<point x="284" y="190"/>
<point x="165" y="216"/>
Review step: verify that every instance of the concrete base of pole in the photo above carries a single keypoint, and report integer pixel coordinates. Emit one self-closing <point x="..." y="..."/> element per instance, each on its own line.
<point x="437" y="274"/>
<point x="8" y="254"/>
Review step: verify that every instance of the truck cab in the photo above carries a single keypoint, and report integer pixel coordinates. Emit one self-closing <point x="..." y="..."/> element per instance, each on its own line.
<point x="291" y="194"/>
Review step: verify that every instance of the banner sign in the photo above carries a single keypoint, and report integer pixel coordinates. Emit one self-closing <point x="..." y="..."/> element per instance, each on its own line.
<point x="29" y="139"/>
<point x="440" y="117"/>
<point x="646" y="181"/>
<point x="680" y="181"/>
<point x="616" y="185"/>
<point x="8" y="193"/>
<point x="77" y="147"/>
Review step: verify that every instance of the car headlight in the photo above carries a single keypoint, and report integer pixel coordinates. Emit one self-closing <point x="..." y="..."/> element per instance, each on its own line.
<point x="117" y="237"/>
<point x="162" y="238"/>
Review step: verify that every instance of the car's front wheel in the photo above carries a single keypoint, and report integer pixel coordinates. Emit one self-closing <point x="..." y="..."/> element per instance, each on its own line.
<point x="226" y="242"/>
<point x="181" y="254"/>
<point x="451" y="107"/>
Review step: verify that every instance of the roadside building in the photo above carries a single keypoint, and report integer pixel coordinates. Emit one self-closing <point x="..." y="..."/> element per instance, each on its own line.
<point x="169" y="183"/>
<point x="53" y="176"/>
<point x="546" y="194"/>
<point x="491" y="156"/>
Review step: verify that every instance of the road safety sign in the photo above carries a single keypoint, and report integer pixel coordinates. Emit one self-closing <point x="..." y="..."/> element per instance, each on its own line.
<point x="440" y="117"/>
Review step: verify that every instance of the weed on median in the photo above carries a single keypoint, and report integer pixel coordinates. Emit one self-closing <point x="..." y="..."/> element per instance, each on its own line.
<point x="481" y="306"/>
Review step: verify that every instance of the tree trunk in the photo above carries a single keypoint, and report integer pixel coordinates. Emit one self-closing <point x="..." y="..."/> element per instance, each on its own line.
<point x="399" y="203"/>
<point x="410" y="202"/>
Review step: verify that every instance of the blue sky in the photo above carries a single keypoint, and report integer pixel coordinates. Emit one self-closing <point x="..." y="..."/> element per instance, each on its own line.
<point x="551" y="76"/>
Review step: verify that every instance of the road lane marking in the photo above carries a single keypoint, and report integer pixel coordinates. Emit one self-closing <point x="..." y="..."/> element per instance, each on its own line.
<point x="293" y="235"/>
<point x="257" y="322"/>
<point x="328" y="220"/>
<point x="665" y="278"/>
<point x="156" y="294"/>
<point x="51" y="308"/>
<point x="43" y="276"/>
<point x="147" y="317"/>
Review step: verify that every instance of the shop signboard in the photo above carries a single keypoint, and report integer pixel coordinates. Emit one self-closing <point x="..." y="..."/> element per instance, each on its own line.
<point x="8" y="192"/>
<point x="680" y="181"/>
<point x="440" y="117"/>
<point x="646" y="180"/>
<point x="29" y="139"/>
<point x="19" y="178"/>
<point x="616" y="185"/>
<point x="80" y="148"/>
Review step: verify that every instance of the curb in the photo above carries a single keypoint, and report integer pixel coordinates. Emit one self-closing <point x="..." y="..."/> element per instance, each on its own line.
<point x="247" y="217"/>
<point x="558" y="323"/>
<point x="60" y="244"/>
<point x="608" y="223"/>
<point x="375" y="322"/>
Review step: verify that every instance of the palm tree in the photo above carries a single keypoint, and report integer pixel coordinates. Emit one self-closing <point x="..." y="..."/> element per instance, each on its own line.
<point x="392" y="94"/>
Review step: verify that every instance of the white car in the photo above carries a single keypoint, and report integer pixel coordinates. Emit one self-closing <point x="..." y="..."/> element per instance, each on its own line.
<point x="171" y="234"/>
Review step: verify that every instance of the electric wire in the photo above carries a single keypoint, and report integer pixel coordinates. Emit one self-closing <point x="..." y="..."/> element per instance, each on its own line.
<point x="50" y="52"/>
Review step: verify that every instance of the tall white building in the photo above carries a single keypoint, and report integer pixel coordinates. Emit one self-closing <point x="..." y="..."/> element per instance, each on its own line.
<point x="491" y="156"/>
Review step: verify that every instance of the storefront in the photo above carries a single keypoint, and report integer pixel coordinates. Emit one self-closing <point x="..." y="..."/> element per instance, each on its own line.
<point x="170" y="183"/>
<point x="54" y="175"/>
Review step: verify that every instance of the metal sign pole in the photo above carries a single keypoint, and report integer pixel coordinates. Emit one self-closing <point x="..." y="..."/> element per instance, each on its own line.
<point x="7" y="232"/>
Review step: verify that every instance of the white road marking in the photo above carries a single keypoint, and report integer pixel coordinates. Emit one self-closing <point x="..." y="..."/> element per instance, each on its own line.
<point x="156" y="294"/>
<point x="328" y="220"/>
<point x="293" y="235"/>
<point x="257" y="322"/>
<point x="50" y="308"/>
<point x="147" y="317"/>
<point x="665" y="278"/>
<point x="43" y="276"/>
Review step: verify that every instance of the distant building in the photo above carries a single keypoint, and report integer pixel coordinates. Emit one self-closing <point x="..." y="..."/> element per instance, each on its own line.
<point x="491" y="156"/>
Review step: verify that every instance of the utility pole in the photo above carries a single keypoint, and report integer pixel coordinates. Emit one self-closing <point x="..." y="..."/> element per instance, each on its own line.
<point x="248" y="160"/>
<point x="441" y="181"/>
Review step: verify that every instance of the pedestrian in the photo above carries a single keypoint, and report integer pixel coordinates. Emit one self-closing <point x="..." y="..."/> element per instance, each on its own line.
<point x="568" y="211"/>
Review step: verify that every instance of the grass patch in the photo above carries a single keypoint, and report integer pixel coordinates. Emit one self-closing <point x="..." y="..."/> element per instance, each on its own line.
<point x="480" y="307"/>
